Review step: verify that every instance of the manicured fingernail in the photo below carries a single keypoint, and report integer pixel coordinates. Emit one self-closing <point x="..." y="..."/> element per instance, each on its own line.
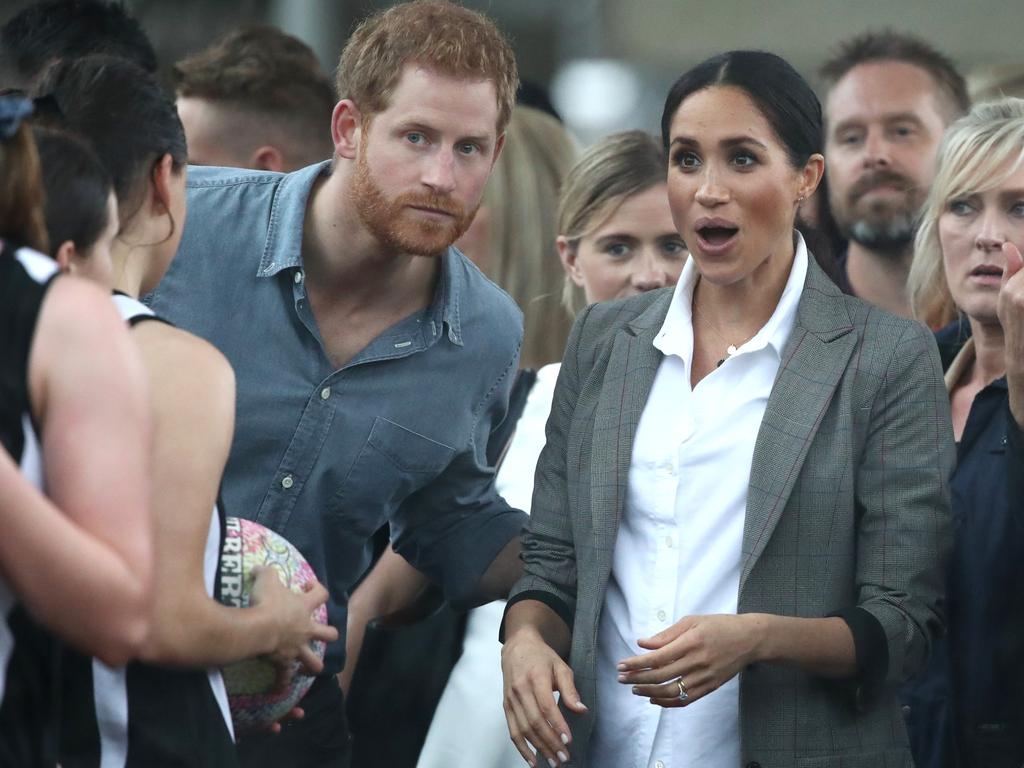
<point x="565" y="738"/>
<point x="636" y="689"/>
<point x="563" y="757"/>
<point x="621" y="667"/>
<point x="622" y="678"/>
<point x="552" y="763"/>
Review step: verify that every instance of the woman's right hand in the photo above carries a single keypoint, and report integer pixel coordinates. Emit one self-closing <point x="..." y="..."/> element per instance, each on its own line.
<point x="293" y="616"/>
<point x="533" y="672"/>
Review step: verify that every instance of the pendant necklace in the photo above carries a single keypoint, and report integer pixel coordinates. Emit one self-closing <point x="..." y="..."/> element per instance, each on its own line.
<point x="730" y="349"/>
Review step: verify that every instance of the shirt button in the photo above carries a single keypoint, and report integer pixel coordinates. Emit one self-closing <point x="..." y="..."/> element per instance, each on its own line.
<point x="659" y="764"/>
<point x="668" y="542"/>
<point x="287" y="482"/>
<point x="298" y="276"/>
<point x="325" y="393"/>
<point x="662" y="615"/>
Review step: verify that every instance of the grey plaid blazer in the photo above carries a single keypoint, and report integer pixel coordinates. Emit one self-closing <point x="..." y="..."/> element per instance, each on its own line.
<point x="847" y="506"/>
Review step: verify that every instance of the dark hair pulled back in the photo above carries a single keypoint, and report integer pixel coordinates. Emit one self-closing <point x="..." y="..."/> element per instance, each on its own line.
<point x="77" y="187"/>
<point x="780" y="93"/>
<point x="123" y="113"/>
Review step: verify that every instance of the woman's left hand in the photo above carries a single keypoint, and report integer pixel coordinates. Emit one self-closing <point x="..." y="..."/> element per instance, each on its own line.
<point x="1010" y="309"/>
<point x="705" y="651"/>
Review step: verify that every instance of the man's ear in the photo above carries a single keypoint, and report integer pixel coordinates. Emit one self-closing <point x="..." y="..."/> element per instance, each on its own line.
<point x="347" y="124"/>
<point x="267" y="158"/>
<point x="567" y="253"/>
<point x="65" y="257"/>
<point x="499" y="145"/>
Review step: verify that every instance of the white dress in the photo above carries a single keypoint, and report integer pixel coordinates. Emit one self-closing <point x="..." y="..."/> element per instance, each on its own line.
<point x="469" y="725"/>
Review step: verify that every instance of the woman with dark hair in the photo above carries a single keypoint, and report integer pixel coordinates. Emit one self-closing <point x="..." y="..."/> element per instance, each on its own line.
<point x="75" y="554"/>
<point x="176" y="703"/>
<point x="81" y="209"/>
<point x="741" y="511"/>
<point x="615" y="239"/>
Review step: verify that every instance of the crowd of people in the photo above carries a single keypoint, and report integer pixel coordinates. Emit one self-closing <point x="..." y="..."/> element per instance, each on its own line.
<point x="710" y="443"/>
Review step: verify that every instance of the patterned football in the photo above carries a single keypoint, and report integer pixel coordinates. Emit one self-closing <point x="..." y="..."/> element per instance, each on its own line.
<point x="254" y="703"/>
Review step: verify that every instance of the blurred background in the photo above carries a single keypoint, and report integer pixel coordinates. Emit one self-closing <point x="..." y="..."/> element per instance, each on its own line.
<point x="608" y="63"/>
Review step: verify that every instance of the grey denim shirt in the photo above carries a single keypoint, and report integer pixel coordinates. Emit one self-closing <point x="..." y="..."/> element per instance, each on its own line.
<point x="398" y="434"/>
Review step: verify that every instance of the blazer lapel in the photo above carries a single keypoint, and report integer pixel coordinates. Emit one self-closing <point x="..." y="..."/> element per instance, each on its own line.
<point x="813" y="362"/>
<point x="627" y="382"/>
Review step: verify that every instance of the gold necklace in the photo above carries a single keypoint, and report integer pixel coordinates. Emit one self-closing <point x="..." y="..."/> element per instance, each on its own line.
<point x="730" y="349"/>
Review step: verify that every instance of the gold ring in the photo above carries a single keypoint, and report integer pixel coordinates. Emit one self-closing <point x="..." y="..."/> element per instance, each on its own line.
<point x="683" y="695"/>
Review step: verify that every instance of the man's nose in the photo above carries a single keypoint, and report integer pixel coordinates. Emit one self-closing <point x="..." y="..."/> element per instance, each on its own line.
<point x="877" y="151"/>
<point x="439" y="174"/>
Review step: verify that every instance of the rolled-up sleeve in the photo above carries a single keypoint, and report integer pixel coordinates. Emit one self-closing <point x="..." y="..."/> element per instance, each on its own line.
<point x="904" y="528"/>
<point x="454" y="527"/>
<point x="548" y="550"/>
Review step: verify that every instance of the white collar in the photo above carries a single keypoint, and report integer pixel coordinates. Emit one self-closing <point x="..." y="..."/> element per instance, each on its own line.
<point x="676" y="334"/>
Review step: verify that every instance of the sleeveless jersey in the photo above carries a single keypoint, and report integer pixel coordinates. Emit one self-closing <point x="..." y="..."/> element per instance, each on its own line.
<point x="28" y="655"/>
<point x="143" y="714"/>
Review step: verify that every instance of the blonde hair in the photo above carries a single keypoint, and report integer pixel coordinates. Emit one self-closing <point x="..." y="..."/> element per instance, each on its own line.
<point x="617" y="167"/>
<point x="978" y="152"/>
<point x="434" y="33"/>
<point x="521" y="197"/>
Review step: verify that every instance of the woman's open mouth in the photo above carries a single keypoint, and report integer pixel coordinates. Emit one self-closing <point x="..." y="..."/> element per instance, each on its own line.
<point x="715" y="236"/>
<point x="987" y="274"/>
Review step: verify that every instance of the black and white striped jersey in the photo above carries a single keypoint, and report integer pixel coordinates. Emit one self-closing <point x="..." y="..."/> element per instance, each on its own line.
<point x="143" y="714"/>
<point x="29" y="658"/>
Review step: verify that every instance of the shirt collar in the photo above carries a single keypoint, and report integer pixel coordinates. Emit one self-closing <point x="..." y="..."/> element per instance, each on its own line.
<point x="283" y="249"/>
<point x="283" y="246"/>
<point x="445" y="308"/>
<point x="676" y="334"/>
<point x="961" y="365"/>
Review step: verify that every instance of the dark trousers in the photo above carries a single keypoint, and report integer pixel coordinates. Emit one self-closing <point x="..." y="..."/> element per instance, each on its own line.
<point x="319" y="740"/>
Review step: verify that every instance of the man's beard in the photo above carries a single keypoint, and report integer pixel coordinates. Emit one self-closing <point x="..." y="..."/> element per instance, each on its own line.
<point x="883" y="225"/>
<point x="398" y="229"/>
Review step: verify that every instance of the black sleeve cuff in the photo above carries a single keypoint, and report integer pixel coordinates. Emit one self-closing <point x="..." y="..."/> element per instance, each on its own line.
<point x="872" y="650"/>
<point x="540" y="596"/>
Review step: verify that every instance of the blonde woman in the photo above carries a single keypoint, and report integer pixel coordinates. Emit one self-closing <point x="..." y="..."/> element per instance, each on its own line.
<point x="969" y="708"/>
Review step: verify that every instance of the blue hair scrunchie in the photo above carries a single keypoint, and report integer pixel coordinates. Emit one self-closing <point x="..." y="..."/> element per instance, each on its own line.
<point x="12" y="111"/>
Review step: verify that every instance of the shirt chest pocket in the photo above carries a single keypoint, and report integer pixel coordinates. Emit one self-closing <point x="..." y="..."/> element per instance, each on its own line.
<point x="393" y="463"/>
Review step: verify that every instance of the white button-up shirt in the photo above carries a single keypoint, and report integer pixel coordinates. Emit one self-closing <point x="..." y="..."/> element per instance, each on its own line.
<point x="679" y="543"/>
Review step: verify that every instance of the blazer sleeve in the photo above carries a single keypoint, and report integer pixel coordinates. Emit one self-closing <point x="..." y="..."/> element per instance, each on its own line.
<point x="548" y="550"/>
<point x="903" y="504"/>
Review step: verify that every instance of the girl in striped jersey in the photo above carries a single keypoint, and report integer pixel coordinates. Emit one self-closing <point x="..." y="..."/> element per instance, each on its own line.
<point x="177" y="712"/>
<point x="73" y="411"/>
